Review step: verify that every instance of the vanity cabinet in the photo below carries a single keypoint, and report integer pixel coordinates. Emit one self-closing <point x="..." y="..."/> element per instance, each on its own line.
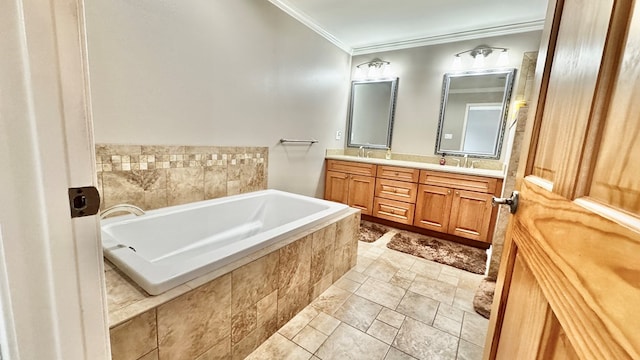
<point x="456" y="204"/>
<point x="439" y="201"/>
<point x="351" y="183"/>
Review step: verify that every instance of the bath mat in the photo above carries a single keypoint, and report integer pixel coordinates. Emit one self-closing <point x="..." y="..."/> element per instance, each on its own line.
<point x="443" y="251"/>
<point x="484" y="297"/>
<point x="370" y="232"/>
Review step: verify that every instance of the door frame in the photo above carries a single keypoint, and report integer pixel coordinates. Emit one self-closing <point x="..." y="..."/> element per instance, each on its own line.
<point x="52" y="289"/>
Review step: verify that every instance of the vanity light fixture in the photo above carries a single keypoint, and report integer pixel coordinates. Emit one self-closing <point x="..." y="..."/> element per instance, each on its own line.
<point x="373" y="69"/>
<point x="479" y="53"/>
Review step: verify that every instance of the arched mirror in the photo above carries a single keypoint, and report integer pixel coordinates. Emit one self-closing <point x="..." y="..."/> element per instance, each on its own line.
<point x="473" y="113"/>
<point x="371" y="113"/>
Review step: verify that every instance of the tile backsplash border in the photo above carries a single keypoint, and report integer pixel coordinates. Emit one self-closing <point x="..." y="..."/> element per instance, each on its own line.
<point x="155" y="176"/>
<point x="111" y="157"/>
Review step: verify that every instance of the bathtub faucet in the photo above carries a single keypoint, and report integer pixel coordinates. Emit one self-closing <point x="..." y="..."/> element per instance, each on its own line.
<point x="131" y="209"/>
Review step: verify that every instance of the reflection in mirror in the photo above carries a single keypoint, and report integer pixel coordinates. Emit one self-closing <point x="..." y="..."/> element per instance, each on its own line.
<point x="371" y="113"/>
<point x="473" y="113"/>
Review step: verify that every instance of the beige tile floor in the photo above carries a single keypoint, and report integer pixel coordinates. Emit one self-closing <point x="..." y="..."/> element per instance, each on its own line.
<point x="389" y="306"/>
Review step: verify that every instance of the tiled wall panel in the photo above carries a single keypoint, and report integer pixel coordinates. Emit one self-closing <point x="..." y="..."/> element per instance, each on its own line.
<point x="152" y="177"/>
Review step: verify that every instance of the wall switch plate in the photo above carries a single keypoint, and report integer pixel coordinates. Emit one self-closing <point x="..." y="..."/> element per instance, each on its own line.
<point x="338" y="135"/>
<point x="448" y="136"/>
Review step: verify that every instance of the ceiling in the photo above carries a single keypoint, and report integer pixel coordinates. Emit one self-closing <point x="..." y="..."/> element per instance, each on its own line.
<point x="366" y="26"/>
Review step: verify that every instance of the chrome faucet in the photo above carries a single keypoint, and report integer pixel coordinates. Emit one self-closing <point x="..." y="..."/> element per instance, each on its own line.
<point x="131" y="209"/>
<point x="466" y="159"/>
<point x="361" y="151"/>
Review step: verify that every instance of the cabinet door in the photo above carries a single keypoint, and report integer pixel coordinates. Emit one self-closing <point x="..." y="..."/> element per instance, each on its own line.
<point x="433" y="208"/>
<point x="470" y="215"/>
<point x="361" y="189"/>
<point x="336" y="187"/>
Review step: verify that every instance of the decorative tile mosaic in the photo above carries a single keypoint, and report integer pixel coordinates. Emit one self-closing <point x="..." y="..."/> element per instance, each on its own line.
<point x="111" y="157"/>
<point x="151" y="176"/>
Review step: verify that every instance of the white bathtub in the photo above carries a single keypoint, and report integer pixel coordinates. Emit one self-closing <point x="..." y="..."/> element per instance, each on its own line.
<point x="170" y="246"/>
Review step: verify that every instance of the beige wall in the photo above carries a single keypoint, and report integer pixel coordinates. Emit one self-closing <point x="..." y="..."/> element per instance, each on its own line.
<point x="419" y="90"/>
<point x="217" y="73"/>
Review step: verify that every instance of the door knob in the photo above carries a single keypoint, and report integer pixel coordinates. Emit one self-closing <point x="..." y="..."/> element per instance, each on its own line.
<point x="511" y="201"/>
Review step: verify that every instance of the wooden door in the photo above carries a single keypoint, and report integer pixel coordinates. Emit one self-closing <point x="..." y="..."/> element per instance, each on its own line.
<point x="569" y="281"/>
<point x="361" y="189"/>
<point x="337" y="187"/>
<point x="433" y="208"/>
<point x="470" y="215"/>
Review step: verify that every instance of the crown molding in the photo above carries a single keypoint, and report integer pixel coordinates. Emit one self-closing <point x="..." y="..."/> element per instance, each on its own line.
<point x="308" y="22"/>
<point x="405" y="44"/>
<point x="453" y="37"/>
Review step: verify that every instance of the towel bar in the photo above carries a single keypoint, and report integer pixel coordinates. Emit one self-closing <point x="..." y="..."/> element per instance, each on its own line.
<point x="311" y="141"/>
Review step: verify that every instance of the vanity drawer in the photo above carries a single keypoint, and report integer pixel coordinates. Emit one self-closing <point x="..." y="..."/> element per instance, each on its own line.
<point x="398" y="173"/>
<point x="458" y="181"/>
<point x="396" y="190"/>
<point x="397" y="211"/>
<point x="352" y="167"/>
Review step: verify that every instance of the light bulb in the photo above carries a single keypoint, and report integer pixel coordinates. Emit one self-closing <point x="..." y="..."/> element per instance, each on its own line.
<point x="373" y="72"/>
<point x="359" y="73"/>
<point x="457" y="62"/>
<point x="503" y="59"/>
<point x="478" y="61"/>
<point x="386" y="70"/>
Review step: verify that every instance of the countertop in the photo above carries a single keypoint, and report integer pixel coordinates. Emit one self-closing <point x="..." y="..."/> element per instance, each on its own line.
<point x="421" y="165"/>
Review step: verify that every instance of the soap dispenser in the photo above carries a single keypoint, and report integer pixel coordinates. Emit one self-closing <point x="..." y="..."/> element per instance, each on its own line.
<point x="388" y="154"/>
<point x="442" y="159"/>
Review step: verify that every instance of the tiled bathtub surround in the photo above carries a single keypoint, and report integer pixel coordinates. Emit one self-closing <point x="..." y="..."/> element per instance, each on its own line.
<point x="152" y="176"/>
<point x="230" y="312"/>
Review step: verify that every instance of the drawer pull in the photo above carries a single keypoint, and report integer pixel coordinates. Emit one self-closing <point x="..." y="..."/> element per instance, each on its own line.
<point x="397" y="173"/>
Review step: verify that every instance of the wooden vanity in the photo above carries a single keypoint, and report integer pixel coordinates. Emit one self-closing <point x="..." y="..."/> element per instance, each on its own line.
<point x="440" y="201"/>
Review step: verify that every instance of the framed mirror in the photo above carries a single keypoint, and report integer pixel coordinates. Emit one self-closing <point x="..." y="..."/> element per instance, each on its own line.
<point x="473" y="113"/>
<point x="371" y="113"/>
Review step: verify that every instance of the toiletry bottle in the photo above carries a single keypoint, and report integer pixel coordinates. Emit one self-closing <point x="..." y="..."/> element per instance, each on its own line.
<point x="388" y="154"/>
<point x="443" y="160"/>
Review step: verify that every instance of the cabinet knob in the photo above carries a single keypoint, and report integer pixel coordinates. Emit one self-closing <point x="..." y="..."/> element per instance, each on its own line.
<point x="458" y="193"/>
<point x="448" y="192"/>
